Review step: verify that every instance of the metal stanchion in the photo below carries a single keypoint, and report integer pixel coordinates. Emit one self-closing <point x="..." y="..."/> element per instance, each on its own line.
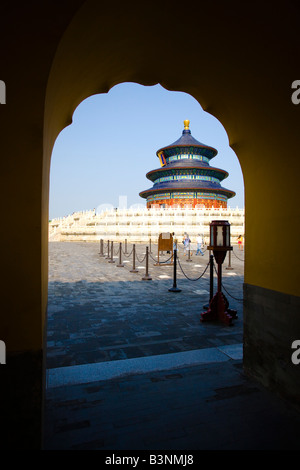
<point x="125" y="246"/>
<point x="147" y="277"/>
<point x="101" y="248"/>
<point x="229" y="261"/>
<point x="108" y="256"/>
<point x="189" y="255"/>
<point x="120" y="265"/>
<point x="133" y="270"/>
<point x="211" y="270"/>
<point x="211" y="278"/>
<point x="111" y="253"/>
<point x="174" y="288"/>
<point x="150" y="245"/>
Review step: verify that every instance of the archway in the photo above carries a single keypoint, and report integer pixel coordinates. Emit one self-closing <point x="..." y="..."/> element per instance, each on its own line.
<point x="149" y="60"/>
<point x="107" y="151"/>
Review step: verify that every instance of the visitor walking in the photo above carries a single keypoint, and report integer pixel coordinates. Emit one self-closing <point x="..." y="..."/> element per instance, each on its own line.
<point x="199" y="245"/>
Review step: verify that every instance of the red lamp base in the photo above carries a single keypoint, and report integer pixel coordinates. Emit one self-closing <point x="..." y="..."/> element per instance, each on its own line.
<point x="218" y="310"/>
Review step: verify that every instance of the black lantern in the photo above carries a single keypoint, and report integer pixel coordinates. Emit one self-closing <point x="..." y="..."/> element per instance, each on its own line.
<point x="220" y="238"/>
<point x="219" y="243"/>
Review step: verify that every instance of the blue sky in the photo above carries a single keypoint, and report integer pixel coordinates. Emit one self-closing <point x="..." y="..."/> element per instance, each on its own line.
<point x="111" y="145"/>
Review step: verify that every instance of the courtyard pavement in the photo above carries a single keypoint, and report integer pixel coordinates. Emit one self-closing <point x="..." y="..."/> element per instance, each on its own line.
<point x="130" y="365"/>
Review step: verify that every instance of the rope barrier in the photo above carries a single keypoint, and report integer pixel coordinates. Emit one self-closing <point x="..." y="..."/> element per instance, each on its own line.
<point x="190" y="279"/>
<point x="238" y="300"/>
<point x="111" y="251"/>
<point x="223" y="287"/>
<point x="152" y="257"/>
<point x="162" y="262"/>
<point x="140" y="261"/>
<point x="237" y="256"/>
<point x="117" y="252"/>
<point x="127" y="255"/>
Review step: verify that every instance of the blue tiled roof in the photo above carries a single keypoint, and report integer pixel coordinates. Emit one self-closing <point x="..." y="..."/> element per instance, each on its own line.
<point x="188" y="142"/>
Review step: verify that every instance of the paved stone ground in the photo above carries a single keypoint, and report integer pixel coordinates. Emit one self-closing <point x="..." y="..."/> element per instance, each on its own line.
<point x="102" y="315"/>
<point x="100" y="312"/>
<point x="206" y="407"/>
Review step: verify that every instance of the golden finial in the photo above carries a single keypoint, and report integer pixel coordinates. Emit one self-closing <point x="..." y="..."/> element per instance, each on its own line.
<point x="186" y="123"/>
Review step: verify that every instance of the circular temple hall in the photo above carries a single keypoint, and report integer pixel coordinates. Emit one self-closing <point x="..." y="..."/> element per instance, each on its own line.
<point x="185" y="178"/>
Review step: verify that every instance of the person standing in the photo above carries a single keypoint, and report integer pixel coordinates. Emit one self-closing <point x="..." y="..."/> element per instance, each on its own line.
<point x="186" y="243"/>
<point x="174" y="242"/>
<point x="240" y="242"/>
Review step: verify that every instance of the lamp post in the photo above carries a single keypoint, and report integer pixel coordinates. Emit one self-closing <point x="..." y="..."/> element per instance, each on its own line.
<point x="219" y="243"/>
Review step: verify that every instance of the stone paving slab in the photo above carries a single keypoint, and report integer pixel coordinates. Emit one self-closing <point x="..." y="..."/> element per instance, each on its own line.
<point x="87" y="373"/>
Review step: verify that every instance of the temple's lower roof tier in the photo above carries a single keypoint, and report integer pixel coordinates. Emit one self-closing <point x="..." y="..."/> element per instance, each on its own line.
<point x="180" y="186"/>
<point x="187" y="198"/>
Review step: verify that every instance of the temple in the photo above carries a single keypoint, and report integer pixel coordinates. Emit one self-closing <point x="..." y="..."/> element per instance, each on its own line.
<point x="186" y="178"/>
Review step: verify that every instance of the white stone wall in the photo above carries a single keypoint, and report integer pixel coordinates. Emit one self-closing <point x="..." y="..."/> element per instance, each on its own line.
<point x="138" y="225"/>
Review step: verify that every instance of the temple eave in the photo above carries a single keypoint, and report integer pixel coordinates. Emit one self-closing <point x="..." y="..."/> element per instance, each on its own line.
<point x="223" y="192"/>
<point x="193" y="170"/>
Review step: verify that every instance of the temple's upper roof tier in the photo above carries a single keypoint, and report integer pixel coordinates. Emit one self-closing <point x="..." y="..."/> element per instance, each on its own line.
<point x="187" y="144"/>
<point x="188" y="167"/>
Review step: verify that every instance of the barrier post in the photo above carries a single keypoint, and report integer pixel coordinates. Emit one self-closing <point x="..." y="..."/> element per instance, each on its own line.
<point x="189" y="254"/>
<point x="229" y="261"/>
<point x="101" y="248"/>
<point x="211" y="283"/>
<point x="125" y="246"/>
<point x="150" y="245"/>
<point x="111" y="253"/>
<point x="219" y="243"/>
<point x="133" y="270"/>
<point x="174" y="288"/>
<point x="147" y="277"/>
<point x="108" y="256"/>
<point x="120" y="265"/>
<point x="211" y="279"/>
